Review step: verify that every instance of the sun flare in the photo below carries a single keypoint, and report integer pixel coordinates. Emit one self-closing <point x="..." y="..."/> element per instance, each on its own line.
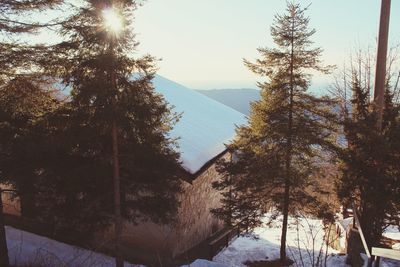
<point x="112" y="20"/>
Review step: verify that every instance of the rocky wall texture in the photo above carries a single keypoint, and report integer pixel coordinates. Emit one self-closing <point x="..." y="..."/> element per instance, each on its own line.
<point x="195" y="222"/>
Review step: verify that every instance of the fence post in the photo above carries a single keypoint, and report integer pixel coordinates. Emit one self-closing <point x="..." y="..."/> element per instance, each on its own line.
<point x="360" y="230"/>
<point x="377" y="260"/>
<point x="370" y="261"/>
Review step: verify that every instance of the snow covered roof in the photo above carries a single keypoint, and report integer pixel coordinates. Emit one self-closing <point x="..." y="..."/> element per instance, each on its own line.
<point x="205" y="127"/>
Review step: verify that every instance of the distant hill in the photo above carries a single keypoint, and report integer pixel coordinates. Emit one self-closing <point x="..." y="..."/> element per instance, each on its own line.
<point x="238" y="99"/>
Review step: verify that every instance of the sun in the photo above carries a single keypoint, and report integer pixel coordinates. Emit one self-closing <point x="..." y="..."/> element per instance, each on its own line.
<point x="112" y="20"/>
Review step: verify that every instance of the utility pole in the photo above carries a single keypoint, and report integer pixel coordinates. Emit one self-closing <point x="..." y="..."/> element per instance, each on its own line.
<point x="380" y="75"/>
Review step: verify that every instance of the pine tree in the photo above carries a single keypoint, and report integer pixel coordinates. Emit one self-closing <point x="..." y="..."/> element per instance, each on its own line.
<point x="17" y="56"/>
<point x="69" y="164"/>
<point x="273" y="155"/>
<point x="16" y="60"/>
<point x="111" y="93"/>
<point x="369" y="165"/>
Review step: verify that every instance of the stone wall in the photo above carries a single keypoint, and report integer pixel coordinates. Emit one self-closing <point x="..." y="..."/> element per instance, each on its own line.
<point x="196" y="223"/>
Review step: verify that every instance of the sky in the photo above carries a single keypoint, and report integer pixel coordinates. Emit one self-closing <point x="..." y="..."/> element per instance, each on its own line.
<point x="202" y="43"/>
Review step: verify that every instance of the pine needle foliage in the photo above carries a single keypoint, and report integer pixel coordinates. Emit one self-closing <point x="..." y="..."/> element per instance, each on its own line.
<point x="18" y="22"/>
<point x="273" y="156"/>
<point x="22" y="102"/>
<point x="88" y="62"/>
<point x="369" y="165"/>
<point x="67" y="144"/>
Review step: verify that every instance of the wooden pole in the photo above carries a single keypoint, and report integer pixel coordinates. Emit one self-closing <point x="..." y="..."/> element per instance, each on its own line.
<point x="380" y="75"/>
<point x="360" y="230"/>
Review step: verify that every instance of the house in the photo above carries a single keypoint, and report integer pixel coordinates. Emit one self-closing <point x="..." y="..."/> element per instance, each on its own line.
<point x="203" y="130"/>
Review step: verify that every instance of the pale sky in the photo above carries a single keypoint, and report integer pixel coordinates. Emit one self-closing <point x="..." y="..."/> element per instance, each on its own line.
<point x="202" y="42"/>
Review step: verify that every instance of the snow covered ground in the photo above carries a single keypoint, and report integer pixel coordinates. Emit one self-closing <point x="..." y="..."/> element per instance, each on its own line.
<point x="392" y="232"/>
<point x="304" y="239"/>
<point x="304" y="242"/>
<point x="27" y="248"/>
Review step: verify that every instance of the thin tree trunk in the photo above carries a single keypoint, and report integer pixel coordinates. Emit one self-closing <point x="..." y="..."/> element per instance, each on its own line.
<point x="117" y="198"/>
<point x="3" y="240"/>
<point x="286" y="200"/>
<point x="116" y="178"/>
<point x="298" y="243"/>
<point x="285" y="221"/>
<point x="327" y="245"/>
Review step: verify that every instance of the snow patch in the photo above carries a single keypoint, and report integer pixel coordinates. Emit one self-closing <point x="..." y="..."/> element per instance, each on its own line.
<point x="205" y="263"/>
<point x="26" y="248"/>
<point x="264" y="244"/>
<point x="392" y="232"/>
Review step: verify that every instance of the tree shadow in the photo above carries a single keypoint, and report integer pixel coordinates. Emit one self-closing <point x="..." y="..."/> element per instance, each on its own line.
<point x="264" y="253"/>
<point x="269" y="263"/>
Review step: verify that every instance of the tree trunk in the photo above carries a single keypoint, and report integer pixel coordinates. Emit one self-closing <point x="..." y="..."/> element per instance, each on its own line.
<point x="286" y="200"/>
<point x="117" y="198"/>
<point x="3" y="240"/>
<point x="285" y="222"/>
<point x="116" y="179"/>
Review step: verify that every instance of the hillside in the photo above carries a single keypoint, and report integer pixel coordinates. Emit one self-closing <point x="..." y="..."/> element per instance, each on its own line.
<point x="238" y="99"/>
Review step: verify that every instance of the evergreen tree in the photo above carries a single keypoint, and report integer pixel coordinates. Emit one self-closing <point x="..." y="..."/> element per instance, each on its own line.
<point x="272" y="162"/>
<point x="21" y="102"/>
<point x="17" y="20"/>
<point x="110" y="91"/>
<point x="369" y="165"/>
<point x="69" y="164"/>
